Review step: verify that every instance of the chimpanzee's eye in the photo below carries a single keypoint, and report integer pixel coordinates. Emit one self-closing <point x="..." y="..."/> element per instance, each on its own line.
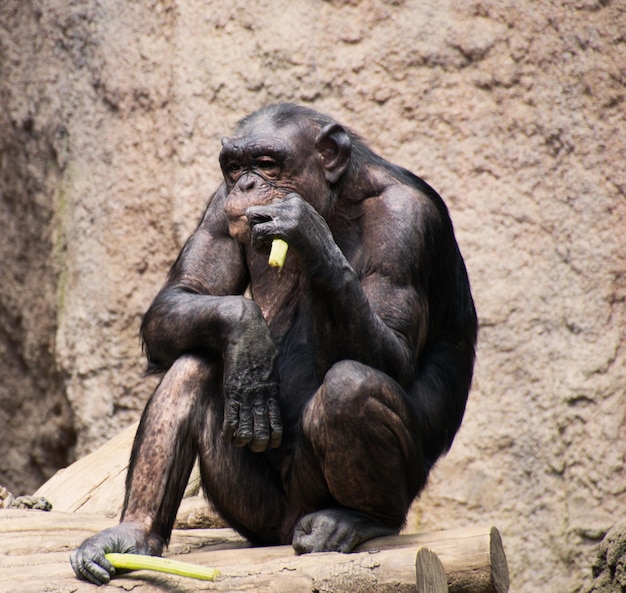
<point x="232" y="170"/>
<point x="268" y="166"/>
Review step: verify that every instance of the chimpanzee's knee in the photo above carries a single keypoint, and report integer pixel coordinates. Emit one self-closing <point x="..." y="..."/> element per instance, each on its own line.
<point x="360" y="431"/>
<point x="181" y="388"/>
<point x="353" y="392"/>
<point x="191" y="371"/>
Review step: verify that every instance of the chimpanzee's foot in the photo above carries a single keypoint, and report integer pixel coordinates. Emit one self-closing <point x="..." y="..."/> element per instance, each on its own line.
<point x="89" y="562"/>
<point x="336" y="530"/>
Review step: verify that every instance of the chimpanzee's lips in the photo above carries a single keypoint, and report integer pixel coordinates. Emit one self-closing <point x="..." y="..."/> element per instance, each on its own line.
<point x="239" y="228"/>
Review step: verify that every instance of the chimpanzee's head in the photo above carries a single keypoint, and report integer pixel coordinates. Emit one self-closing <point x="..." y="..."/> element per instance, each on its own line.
<point x="280" y="150"/>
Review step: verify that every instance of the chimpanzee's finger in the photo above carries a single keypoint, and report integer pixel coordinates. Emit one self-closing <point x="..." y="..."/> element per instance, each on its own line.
<point x="244" y="431"/>
<point x="231" y="420"/>
<point x="261" y="437"/>
<point x="92" y="566"/>
<point x="276" y="425"/>
<point x="264" y="233"/>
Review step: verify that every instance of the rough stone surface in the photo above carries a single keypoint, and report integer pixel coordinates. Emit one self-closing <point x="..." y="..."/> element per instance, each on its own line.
<point x="609" y="568"/>
<point x="36" y="424"/>
<point x="110" y="120"/>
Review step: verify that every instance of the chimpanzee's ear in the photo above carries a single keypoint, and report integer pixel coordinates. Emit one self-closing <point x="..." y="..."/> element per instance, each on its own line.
<point x="334" y="146"/>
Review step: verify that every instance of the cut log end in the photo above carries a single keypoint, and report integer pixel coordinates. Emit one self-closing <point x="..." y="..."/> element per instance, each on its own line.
<point x="430" y="575"/>
<point x="499" y="566"/>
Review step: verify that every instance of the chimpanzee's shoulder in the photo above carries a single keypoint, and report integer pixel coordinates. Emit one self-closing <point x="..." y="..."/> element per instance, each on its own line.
<point x="214" y="217"/>
<point x="407" y="204"/>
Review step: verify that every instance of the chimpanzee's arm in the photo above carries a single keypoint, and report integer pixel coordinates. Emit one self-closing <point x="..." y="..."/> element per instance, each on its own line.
<point x="209" y="265"/>
<point x="201" y="310"/>
<point x="381" y="316"/>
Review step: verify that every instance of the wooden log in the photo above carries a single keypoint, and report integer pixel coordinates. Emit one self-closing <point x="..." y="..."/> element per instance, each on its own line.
<point x="271" y="570"/>
<point x="473" y="557"/>
<point x="429" y="573"/>
<point x="94" y="483"/>
<point x="35" y="546"/>
<point x="473" y="560"/>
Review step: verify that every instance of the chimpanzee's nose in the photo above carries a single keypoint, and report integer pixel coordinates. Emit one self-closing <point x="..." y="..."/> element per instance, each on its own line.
<point x="247" y="182"/>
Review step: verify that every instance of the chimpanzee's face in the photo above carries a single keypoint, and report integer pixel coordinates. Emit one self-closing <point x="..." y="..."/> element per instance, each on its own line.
<point x="264" y="162"/>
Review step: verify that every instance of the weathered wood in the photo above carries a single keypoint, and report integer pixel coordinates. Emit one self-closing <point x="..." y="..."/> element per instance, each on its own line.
<point x="96" y="484"/>
<point x="430" y="574"/>
<point x="473" y="557"/>
<point x="35" y="546"/>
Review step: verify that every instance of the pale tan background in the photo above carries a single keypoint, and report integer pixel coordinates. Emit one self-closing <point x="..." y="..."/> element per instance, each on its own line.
<point x="110" y="120"/>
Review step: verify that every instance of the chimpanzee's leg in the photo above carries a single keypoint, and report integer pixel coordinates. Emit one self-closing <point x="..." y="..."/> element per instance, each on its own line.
<point x="163" y="454"/>
<point x="184" y="417"/>
<point x="166" y="444"/>
<point x="359" y="464"/>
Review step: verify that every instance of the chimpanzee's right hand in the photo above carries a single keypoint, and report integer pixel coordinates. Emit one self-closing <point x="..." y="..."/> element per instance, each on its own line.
<point x="88" y="560"/>
<point x="251" y="389"/>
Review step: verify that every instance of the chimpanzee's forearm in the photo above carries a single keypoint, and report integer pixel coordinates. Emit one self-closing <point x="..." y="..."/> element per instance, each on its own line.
<point x="360" y="333"/>
<point x="180" y="322"/>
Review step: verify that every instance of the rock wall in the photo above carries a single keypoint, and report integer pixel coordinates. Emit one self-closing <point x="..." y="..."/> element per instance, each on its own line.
<point x="109" y="134"/>
<point x="36" y="424"/>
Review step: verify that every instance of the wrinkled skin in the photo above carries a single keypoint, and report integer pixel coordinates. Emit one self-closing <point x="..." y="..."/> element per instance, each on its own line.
<point x="317" y="407"/>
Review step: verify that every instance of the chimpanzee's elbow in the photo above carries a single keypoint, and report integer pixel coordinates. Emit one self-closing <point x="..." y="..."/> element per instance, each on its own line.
<point x="151" y="334"/>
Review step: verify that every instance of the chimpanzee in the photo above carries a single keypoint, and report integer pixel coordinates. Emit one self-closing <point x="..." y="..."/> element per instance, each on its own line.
<point x="318" y="406"/>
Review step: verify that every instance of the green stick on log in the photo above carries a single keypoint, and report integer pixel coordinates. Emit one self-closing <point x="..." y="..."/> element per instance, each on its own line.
<point x="141" y="562"/>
